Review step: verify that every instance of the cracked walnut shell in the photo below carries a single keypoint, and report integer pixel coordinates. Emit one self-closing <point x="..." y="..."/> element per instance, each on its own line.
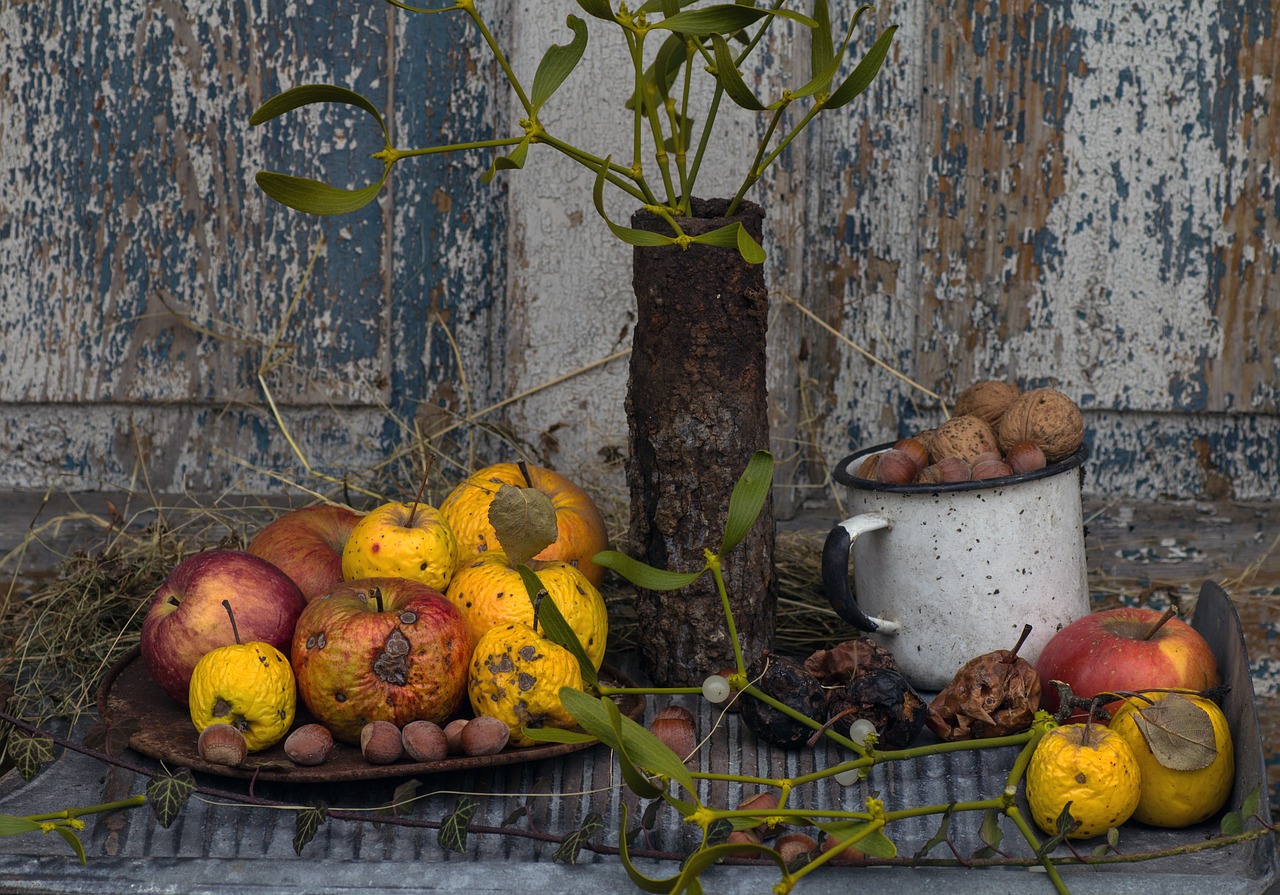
<point x="1048" y="419"/>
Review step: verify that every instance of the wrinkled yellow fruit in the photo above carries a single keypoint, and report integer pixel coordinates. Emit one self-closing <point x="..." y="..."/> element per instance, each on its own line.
<point x="1092" y="768"/>
<point x="247" y="685"/>
<point x="516" y="675"/>
<point x="489" y="592"/>
<point x="400" y="540"/>
<point x="1176" y="798"/>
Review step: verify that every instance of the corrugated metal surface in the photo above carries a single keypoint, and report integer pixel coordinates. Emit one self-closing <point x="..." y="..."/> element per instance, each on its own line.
<point x="1079" y="193"/>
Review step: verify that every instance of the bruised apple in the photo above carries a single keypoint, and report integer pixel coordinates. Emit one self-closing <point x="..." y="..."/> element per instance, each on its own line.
<point x="306" y="544"/>
<point x="380" y="649"/>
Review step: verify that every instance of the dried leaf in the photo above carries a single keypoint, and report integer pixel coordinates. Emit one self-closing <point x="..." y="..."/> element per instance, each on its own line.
<point x="307" y="825"/>
<point x="1179" y="732"/>
<point x="524" y="521"/>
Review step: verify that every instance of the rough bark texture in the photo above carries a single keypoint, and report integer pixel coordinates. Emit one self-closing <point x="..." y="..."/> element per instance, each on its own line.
<point x="696" y="411"/>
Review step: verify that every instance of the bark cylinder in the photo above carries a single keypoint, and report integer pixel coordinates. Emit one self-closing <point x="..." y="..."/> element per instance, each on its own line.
<point x="697" y="409"/>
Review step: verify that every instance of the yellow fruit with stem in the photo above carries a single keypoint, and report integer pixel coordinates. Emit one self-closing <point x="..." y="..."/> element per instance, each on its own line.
<point x="1090" y="771"/>
<point x="516" y="675"/>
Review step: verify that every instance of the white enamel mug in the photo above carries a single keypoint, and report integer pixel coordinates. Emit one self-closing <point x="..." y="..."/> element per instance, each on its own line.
<point x="944" y="573"/>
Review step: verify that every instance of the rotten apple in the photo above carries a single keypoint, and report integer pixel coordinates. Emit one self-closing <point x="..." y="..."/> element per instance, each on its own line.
<point x="380" y="649"/>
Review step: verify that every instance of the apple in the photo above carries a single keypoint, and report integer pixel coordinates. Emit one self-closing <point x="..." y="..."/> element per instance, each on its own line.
<point x="306" y="544"/>
<point x="582" y="531"/>
<point x="380" y="649"/>
<point x="186" y="618"/>
<point x="1125" y="649"/>
<point x="402" y="540"/>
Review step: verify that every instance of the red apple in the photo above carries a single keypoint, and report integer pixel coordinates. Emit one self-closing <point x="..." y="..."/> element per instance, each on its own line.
<point x="307" y="545"/>
<point x="380" y="649"/>
<point x="186" y="618"/>
<point x="582" y="531"/>
<point x="1115" y="650"/>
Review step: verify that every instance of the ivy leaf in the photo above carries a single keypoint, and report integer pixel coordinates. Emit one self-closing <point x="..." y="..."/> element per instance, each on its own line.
<point x="524" y="521"/>
<point x="514" y="816"/>
<point x="643" y="575"/>
<point x="572" y="845"/>
<point x="168" y="793"/>
<point x="307" y="824"/>
<point x="861" y="77"/>
<point x="1179" y="733"/>
<point x="558" y="63"/>
<point x="29" y="752"/>
<point x="719" y="829"/>
<point x="990" y="832"/>
<point x="112" y="738"/>
<point x="748" y="497"/>
<point x="453" y="829"/>
<point x="404" y="794"/>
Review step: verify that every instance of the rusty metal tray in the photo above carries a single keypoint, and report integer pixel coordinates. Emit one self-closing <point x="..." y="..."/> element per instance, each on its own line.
<point x="161" y="729"/>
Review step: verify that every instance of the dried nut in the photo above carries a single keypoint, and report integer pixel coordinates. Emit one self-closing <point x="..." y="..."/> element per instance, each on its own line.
<point x="897" y="467"/>
<point x="930" y="475"/>
<point x="915" y="447"/>
<point x="763" y="802"/>
<point x="1025" y="457"/>
<point x="991" y="469"/>
<point x="453" y="735"/>
<point x="222" y="744"/>
<point x="484" y="736"/>
<point x="794" y="847"/>
<point x="987" y="400"/>
<point x="954" y="469"/>
<point x="1047" y="418"/>
<point x="380" y="742"/>
<point x="985" y="456"/>
<point x="674" y="725"/>
<point x="848" y="855"/>
<point x="751" y="836"/>
<point x="962" y="436"/>
<point x="309" y="745"/>
<point x="424" y="741"/>
<point x="868" y="468"/>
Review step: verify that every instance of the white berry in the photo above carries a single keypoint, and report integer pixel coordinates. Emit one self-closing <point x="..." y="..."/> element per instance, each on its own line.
<point x="715" y="688"/>
<point x="860" y="729"/>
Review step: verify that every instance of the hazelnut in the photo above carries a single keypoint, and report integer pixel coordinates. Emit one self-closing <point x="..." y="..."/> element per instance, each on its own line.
<point x="897" y="467"/>
<point x="867" y="469"/>
<point x="962" y="436"/>
<point x="988" y="400"/>
<point x="954" y="469"/>
<point x="1025" y="457"/>
<point x="674" y="725"/>
<point x="985" y="456"/>
<point x="848" y="854"/>
<point x="1048" y="419"/>
<point x="222" y="744"/>
<point x="764" y="802"/>
<point x="751" y="836"/>
<point x="485" y="735"/>
<point x="915" y="447"/>
<point x="453" y="735"/>
<point x="309" y="745"/>
<point x="930" y="475"/>
<point x="794" y="847"/>
<point x="424" y="741"/>
<point x="991" y="469"/>
<point x="380" y="742"/>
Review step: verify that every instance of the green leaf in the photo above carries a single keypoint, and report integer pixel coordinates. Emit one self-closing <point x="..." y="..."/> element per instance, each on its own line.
<point x="865" y="72"/>
<point x="558" y="63"/>
<point x="557" y="735"/>
<point x="875" y="844"/>
<point x="626" y="234"/>
<point x="553" y="624"/>
<point x="821" y="51"/>
<point x="309" y="94"/>
<point x="733" y="236"/>
<point x="1249" y="807"/>
<point x="12" y="825"/>
<point x="640" y="745"/>
<point x="72" y="840"/>
<point x="939" y="837"/>
<point x="726" y="72"/>
<point x="168" y="793"/>
<point x="513" y="161"/>
<point x="641" y="882"/>
<point x="725" y="18"/>
<point x="453" y="829"/>
<point x="820" y="81"/>
<point x="990" y="832"/>
<point x="29" y="752"/>
<point x="748" y="498"/>
<point x="572" y="845"/>
<point x="635" y="779"/>
<point x="1231" y="824"/>
<point x="600" y="9"/>
<point x="315" y="197"/>
<point x="306" y="825"/>
<point x="643" y="575"/>
<point x="524" y="521"/>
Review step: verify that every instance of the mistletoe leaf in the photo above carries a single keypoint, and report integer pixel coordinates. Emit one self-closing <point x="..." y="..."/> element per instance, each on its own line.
<point x="554" y="627"/>
<point x="12" y="825"/>
<point x="524" y="521"/>
<point x="306" y="825"/>
<point x="72" y="840"/>
<point x="748" y="497"/>
<point x="558" y="63"/>
<point x="642" y="575"/>
<point x="1178" y="732"/>
<point x="168" y="793"/>
<point x="572" y="845"/>
<point x="453" y="829"/>
<point x="864" y="73"/>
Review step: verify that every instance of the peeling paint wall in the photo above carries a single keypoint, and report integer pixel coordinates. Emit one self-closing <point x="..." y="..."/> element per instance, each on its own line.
<point x="1079" y="193"/>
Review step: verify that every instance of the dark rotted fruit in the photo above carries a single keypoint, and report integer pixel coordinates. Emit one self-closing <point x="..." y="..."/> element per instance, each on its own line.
<point x="837" y="665"/>
<point x="883" y="697"/>
<point x="785" y="680"/>
<point x="993" y="695"/>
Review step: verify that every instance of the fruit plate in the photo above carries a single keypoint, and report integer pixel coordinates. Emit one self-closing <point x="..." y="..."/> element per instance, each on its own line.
<point x="161" y="729"/>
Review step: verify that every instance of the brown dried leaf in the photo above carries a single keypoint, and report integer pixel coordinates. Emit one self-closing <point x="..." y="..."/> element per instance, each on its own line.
<point x="524" y="521"/>
<point x="1179" y="732"/>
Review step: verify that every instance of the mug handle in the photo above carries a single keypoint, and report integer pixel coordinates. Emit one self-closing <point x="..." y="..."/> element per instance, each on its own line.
<point x="835" y="571"/>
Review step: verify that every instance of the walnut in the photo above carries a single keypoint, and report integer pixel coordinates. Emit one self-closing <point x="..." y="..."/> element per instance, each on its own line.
<point x="987" y="400"/>
<point x="1048" y="419"/>
<point x="962" y="436"/>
